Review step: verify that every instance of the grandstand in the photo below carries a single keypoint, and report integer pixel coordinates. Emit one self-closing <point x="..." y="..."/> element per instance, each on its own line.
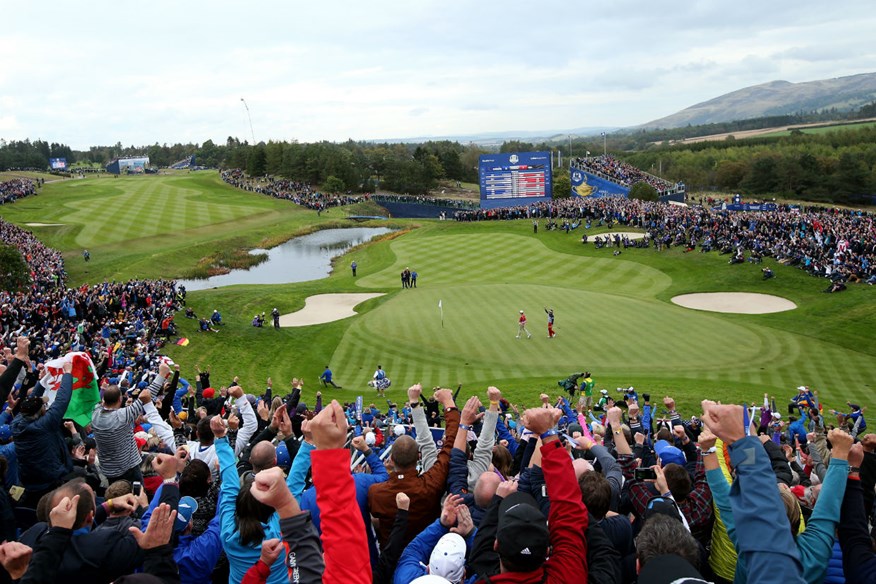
<point x="601" y="176"/>
<point x="131" y="165"/>
<point x="187" y="162"/>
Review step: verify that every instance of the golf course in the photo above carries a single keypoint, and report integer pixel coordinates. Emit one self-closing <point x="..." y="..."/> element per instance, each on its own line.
<point x="615" y="315"/>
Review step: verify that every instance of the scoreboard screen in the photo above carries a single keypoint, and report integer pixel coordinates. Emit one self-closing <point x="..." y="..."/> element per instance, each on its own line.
<point x="514" y="178"/>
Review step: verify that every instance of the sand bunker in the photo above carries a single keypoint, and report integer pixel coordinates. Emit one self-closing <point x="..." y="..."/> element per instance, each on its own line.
<point x="44" y="224"/>
<point x="629" y="234"/>
<point x="325" y="308"/>
<point x="735" y="302"/>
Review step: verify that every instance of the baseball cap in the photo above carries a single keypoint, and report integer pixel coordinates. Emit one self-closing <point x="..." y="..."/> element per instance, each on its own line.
<point x="521" y="312"/>
<point x="185" y="510"/>
<point x="669" y="453"/>
<point x="370" y="438"/>
<point x="522" y="532"/>
<point x="448" y="558"/>
<point x="662" y="506"/>
<point x="669" y="568"/>
<point x="399" y="430"/>
<point x="430" y="579"/>
<point x="209" y="393"/>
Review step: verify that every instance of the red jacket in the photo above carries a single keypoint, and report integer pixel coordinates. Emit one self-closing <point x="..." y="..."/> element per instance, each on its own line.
<point x="347" y="560"/>
<point x="567" y="524"/>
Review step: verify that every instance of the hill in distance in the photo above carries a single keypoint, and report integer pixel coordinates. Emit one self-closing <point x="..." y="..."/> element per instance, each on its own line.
<point x="776" y="98"/>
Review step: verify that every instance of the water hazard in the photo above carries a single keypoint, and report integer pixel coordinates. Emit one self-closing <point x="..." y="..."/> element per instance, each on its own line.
<point x="298" y="260"/>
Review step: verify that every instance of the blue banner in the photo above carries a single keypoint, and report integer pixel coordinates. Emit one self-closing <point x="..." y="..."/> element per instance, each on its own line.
<point x="359" y="406"/>
<point x="585" y="184"/>
<point x="58" y="163"/>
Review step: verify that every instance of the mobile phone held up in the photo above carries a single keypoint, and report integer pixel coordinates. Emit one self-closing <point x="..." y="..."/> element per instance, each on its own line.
<point x="645" y="474"/>
<point x="137" y="488"/>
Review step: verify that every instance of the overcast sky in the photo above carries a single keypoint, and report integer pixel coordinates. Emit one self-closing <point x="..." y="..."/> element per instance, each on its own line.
<point x="144" y="72"/>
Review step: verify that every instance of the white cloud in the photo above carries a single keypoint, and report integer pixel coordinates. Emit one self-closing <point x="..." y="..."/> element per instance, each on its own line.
<point x="336" y="70"/>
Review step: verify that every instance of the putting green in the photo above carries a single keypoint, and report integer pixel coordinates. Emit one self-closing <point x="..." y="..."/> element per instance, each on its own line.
<point x="609" y="321"/>
<point x="502" y="258"/>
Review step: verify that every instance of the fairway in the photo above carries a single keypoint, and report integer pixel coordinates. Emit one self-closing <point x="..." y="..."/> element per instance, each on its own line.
<point x="614" y="314"/>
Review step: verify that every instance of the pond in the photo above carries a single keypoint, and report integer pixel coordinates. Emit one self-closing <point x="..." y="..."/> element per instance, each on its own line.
<point x="298" y="260"/>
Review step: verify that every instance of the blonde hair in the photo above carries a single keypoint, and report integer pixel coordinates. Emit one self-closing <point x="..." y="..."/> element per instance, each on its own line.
<point x="792" y="510"/>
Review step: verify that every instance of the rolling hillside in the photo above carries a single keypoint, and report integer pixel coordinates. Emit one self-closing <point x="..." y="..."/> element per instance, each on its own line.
<point x="776" y="98"/>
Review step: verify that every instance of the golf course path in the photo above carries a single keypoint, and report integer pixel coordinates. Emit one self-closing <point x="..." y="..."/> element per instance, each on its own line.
<point x="735" y="302"/>
<point x="44" y="224"/>
<point x="324" y="308"/>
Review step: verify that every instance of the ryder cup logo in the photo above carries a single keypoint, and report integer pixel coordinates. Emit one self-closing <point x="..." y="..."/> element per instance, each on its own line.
<point x="513" y="159"/>
<point x="576" y="176"/>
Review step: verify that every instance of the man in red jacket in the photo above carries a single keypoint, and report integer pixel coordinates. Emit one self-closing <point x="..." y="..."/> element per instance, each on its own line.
<point x="523" y="540"/>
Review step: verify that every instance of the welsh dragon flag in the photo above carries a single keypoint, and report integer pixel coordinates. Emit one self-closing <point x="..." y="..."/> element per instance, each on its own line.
<point x="85" y="391"/>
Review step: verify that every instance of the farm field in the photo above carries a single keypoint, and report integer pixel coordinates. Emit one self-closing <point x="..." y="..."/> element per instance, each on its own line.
<point x="614" y="314"/>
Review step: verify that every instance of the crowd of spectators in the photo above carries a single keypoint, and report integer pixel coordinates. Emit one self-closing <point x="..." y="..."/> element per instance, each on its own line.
<point x="182" y="478"/>
<point x="122" y="325"/>
<point x="201" y="481"/>
<point x="12" y="190"/>
<point x="305" y="195"/>
<point x="838" y="244"/>
<point x="299" y="193"/>
<point x="618" y="171"/>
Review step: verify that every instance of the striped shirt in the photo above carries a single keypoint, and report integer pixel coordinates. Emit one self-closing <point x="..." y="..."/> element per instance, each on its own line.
<point x="114" y="434"/>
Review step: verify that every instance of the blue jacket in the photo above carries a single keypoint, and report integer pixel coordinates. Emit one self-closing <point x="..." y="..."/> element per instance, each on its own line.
<point x="763" y="541"/>
<point x="835" y="573"/>
<point x="504" y="434"/>
<point x="363" y="481"/>
<point x="241" y="557"/>
<point x="415" y="558"/>
<point x="178" y="395"/>
<point x="816" y="541"/>
<point x="43" y="457"/>
<point x="197" y="556"/>
<point x="798" y="429"/>
<point x="8" y="452"/>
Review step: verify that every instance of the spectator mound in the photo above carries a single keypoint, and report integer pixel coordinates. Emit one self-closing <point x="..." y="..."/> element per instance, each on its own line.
<point x="324" y="308"/>
<point x="735" y="302"/>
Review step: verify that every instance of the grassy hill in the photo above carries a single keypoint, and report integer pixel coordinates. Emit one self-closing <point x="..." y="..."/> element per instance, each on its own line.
<point x="776" y="98"/>
<point x="614" y="314"/>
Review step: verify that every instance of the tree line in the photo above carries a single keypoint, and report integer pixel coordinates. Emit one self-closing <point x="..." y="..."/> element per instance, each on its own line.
<point x="835" y="166"/>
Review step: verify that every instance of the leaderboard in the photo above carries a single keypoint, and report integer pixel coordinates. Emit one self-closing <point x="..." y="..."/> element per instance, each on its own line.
<point x="523" y="175"/>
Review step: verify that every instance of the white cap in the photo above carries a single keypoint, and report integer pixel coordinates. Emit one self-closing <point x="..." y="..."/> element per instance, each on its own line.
<point x="448" y="558"/>
<point x="370" y="438"/>
<point x="430" y="579"/>
<point x="399" y="430"/>
<point x="521" y="312"/>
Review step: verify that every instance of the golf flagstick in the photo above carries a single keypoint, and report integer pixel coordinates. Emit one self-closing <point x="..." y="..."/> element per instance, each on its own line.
<point x="441" y="310"/>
